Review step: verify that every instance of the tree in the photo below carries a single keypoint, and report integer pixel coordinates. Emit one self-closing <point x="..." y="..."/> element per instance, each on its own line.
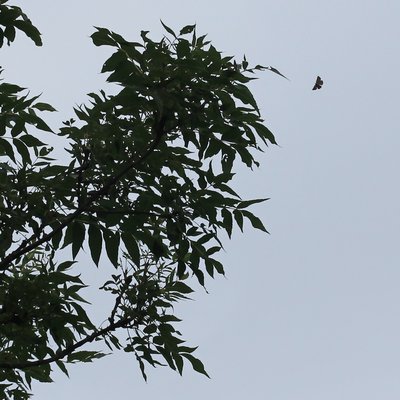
<point x="146" y="185"/>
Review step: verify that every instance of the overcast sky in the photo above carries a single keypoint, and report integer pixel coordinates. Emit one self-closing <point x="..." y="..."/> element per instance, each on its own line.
<point x="312" y="311"/>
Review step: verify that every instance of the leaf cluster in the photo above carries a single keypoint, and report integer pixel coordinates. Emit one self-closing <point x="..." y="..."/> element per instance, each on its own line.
<point x="12" y="18"/>
<point x="147" y="187"/>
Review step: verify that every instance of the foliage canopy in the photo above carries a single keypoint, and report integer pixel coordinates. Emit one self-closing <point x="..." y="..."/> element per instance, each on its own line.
<point x="146" y="186"/>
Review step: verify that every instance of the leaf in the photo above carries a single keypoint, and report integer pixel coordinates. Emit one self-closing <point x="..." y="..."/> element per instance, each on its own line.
<point x="245" y="155"/>
<point x="165" y="353"/>
<point x="183" y="48"/>
<point x="227" y="221"/>
<point x="6" y="148"/>
<point x="82" y="315"/>
<point x="181" y="287"/>
<point x="95" y="243"/>
<point x="150" y="329"/>
<point x="218" y="266"/>
<point x="181" y="269"/>
<point x="209" y="267"/>
<point x="18" y="127"/>
<point x="178" y="362"/>
<point x="56" y="239"/>
<point x="132" y="247"/>
<point x="114" y="61"/>
<point x="31" y="31"/>
<point x="61" y="365"/>
<point x="10" y="88"/>
<point x="84" y="356"/>
<point x="43" y="107"/>
<point x="187" y="29"/>
<point x="274" y="70"/>
<point x="169" y="318"/>
<point x="255" y="221"/>
<point x="40" y="373"/>
<point x="199" y="275"/>
<point x="168" y="29"/>
<point x="9" y="34"/>
<point x="40" y="124"/>
<point x="111" y="240"/>
<point x="23" y="151"/>
<point x="102" y="37"/>
<point x="225" y="188"/>
<point x="246" y="203"/>
<point x="196" y="364"/>
<point x="31" y="141"/>
<point x="65" y="265"/>
<point x="264" y="132"/>
<point x="238" y="218"/>
<point x="78" y="236"/>
<point x="142" y="368"/>
<point x="243" y="93"/>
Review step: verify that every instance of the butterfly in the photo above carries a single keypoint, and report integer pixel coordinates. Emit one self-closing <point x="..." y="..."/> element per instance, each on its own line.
<point x="318" y="83"/>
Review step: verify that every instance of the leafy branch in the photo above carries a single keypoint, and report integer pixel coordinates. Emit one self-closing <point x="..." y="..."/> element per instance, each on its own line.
<point x="147" y="186"/>
<point x="60" y="354"/>
<point x="25" y="248"/>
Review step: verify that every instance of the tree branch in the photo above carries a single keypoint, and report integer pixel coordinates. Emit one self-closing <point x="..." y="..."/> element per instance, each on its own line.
<point x="70" y="349"/>
<point x="133" y="212"/>
<point x="158" y="131"/>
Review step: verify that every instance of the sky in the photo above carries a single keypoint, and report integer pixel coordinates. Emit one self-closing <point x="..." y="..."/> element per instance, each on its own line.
<point x="311" y="311"/>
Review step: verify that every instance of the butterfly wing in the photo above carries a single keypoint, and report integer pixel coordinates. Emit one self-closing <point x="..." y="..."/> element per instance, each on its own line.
<point x="318" y="83"/>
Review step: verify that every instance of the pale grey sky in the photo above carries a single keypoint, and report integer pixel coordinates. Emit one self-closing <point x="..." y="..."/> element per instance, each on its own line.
<point x="311" y="311"/>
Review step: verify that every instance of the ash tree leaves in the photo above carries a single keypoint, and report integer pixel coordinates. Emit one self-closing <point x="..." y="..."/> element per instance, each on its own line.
<point x="187" y="29"/>
<point x="146" y="193"/>
<point x="12" y="19"/>
<point x="95" y="243"/>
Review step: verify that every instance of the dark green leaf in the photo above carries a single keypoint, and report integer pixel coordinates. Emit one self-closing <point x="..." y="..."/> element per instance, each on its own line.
<point x="18" y="127"/>
<point x="196" y="364"/>
<point x="246" y="203"/>
<point x="102" y="37"/>
<point x="61" y="365"/>
<point x="78" y="236"/>
<point x="114" y="61"/>
<point x="56" y="239"/>
<point x="142" y="369"/>
<point x="9" y="34"/>
<point x="9" y="88"/>
<point x="23" y="151"/>
<point x="112" y="246"/>
<point x="181" y="287"/>
<point x="187" y="29"/>
<point x="43" y="107"/>
<point x="31" y="31"/>
<point x="218" y="266"/>
<point x="6" y="149"/>
<point x="238" y="218"/>
<point x="227" y="220"/>
<point x="95" y="243"/>
<point x="84" y="356"/>
<point x="168" y="29"/>
<point x="243" y="93"/>
<point x="65" y="265"/>
<point x="31" y="141"/>
<point x="274" y="70"/>
<point x="132" y="247"/>
<point x="178" y="362"/>
<point x="264" y="133"/>
<point x="255" y="221"/>
<point x="40" y="124"/>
